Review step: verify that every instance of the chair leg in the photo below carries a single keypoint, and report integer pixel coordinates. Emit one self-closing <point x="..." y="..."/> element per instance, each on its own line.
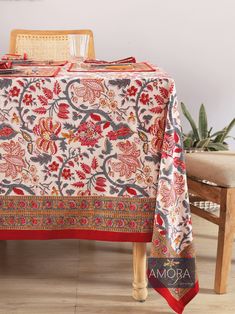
<point x="140" y="291"/>
<point x="225" y="241"/>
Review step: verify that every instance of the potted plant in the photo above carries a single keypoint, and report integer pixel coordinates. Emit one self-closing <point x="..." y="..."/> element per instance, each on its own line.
<point x="201" y="138"/>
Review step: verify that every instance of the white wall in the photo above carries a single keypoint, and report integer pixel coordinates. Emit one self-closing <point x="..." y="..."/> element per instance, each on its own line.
<point x="193" y="40"/>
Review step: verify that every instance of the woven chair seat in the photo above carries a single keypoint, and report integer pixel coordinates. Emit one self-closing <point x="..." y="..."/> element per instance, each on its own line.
<point x="216" y="167"/>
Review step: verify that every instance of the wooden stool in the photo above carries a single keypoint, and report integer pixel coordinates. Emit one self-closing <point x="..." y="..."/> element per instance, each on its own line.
<point x="219" y="168"/>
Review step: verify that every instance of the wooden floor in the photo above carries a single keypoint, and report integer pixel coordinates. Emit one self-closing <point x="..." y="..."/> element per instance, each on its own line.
<point x="87" y="277"/>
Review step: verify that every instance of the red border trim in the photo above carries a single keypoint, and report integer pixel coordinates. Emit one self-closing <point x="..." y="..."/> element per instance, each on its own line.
<point x="178" y="305"/>
<point x="74" y="234"/>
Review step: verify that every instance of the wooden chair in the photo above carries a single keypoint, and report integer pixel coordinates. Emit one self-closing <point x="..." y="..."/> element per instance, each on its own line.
<point x="45" y="45"/>
<point x="219" y="169"/>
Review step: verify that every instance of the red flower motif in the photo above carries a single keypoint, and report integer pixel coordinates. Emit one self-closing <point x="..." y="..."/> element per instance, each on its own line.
<point x="89" y="133"/>
<point x="164" y="249"/>
<point x="179" y="183"/>
<point x="23" y="220"/>
<point x="132" y="224"/>
<point x="60" y="221"/>
<point x="83" y="221"/>
<point x="72" y="220"/>
<point x="120" y="223"/>
<point x="90" y="90"/>
<point x="98" y="204"/>
<point x="157" y="130"/>
<point x="128" y="160"/>
<point x="22" y="204"/>
<point x="123" y="131"/>
<point x="61" y="205"/>
<point x="168" y="144"/>
<point x="98" y="221"/>
<point x="109" y="222"/>
<point x="133" y="207"/>
<point x="54" y="166"/>
<point x="144" y="99"/>
<point x="121" y="205"/>
<point x="157" y="242"/>
<point x="132" y="91"/>
<point x="179" y="163"/>
<point x="72" y="204"/>
<point x="63" y="111"/>
<point x="6" y="131"/>
<point x="110" y="205"/>
<point x="14" y="92"/>
<point x="47" y="132"/>
<point x="66" y="174"/>
<point x="34" y="221"/>
<point x="34" y="204"/>
<point x="84" y="204"/>
<point x="28" y="99"/>
<point x="14" y="162"/>
<point x="167" y="194"/>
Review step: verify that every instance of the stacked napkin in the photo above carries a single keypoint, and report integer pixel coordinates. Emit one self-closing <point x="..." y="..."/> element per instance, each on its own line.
<point x="125" y="60"/>
<point x="6" y="64"/>
<point x="12" y="56"/>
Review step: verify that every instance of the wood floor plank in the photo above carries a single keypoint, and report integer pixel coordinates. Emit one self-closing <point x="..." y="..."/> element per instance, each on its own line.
<point x="89" y="277"/>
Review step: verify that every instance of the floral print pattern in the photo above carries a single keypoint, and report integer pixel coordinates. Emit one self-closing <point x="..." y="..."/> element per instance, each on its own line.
<point x="47" y="131"/>
<point x="13" y="159"/>
<point x="128" y="160"/>
<point x="109" y="142"/>
<point x="107" y="136"/>
<point x="157" y="130"/>
<point x="88" y="133"/>
<point x="90" y="90"/>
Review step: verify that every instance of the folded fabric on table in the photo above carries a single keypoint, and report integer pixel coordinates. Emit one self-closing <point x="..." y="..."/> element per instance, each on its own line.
<point x="13" y="56"/>
<point x="5" y="64"/>
<point x="125" y="60"/>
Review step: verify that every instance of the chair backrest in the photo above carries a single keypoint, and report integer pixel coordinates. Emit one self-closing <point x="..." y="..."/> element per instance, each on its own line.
<point x="47" y="44"/>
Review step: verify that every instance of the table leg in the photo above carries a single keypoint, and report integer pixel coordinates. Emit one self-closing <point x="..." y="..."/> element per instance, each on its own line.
<point x="140" y="291"/>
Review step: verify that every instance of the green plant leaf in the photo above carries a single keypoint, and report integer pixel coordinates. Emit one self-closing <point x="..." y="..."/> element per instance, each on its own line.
<point x="202" y="122"/>
<point x="217" y="133"/>
<point x="217" y="146"/>
<point x="227" y="130"/>
<point x="191" y="121"/>
<point x="219" y="136"/>
<point x="203" y="143"/>
<point x="188" y="143"/>
<point x="209" y="132"/>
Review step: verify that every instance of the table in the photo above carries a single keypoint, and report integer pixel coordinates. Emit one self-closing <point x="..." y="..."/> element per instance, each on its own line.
<point x="97" y="156"/>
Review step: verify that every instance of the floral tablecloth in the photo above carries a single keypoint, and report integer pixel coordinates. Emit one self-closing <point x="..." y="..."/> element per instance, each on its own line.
<point x="95" y="156"/>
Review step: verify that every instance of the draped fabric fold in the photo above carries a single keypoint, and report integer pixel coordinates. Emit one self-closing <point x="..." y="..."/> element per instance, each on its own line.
<point x="172" y="230"/>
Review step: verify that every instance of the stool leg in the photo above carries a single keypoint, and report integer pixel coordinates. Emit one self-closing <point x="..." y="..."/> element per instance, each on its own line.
<point x="140" y="291"/>
<point x="225" y="241"/>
